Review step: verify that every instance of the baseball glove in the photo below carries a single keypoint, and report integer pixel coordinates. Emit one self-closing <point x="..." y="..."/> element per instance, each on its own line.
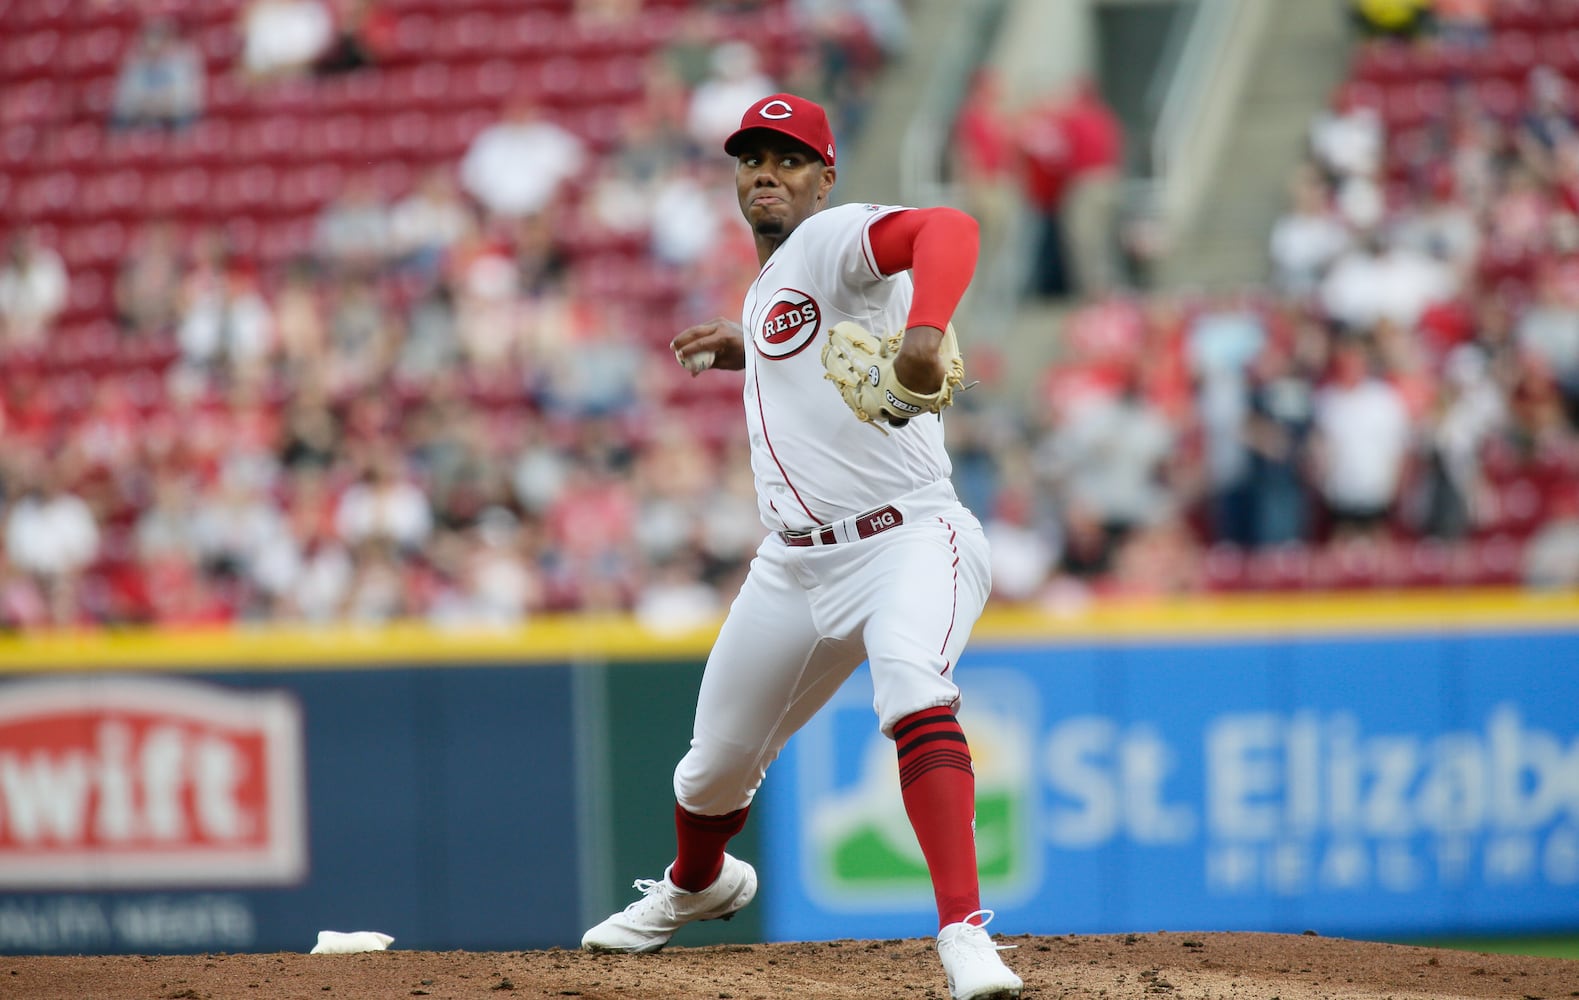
<point x="862" y="366"/>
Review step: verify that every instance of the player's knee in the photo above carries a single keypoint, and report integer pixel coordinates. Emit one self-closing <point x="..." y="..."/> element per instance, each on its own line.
<point x="709" y="785"/>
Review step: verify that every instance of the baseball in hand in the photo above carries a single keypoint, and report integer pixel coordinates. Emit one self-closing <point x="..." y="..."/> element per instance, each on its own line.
<point x="698" y="361"/>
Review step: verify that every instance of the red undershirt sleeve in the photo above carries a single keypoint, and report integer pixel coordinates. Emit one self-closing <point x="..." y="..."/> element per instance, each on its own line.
<point x="938" y="246"/>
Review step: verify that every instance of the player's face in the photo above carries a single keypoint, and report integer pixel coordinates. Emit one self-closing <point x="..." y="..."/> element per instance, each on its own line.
<point x="780" y="183"/>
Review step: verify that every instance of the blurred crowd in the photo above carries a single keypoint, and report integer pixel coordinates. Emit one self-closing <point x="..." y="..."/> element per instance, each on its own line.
<point x="438" y="409"/>
<point x="441" y="410"/>
<point x="1397" y="403"/>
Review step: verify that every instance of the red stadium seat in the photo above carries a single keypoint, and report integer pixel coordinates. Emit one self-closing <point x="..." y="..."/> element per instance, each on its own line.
<point x="537" y="34"/>
<point x="1282" y="567"/>
<point x="1559" y="49"/>
<point x="33" y="103"/>
<point x="1511" y="55"/>
<point x="181" y="194"/>
<point x="47" y="197"/>
<point x="1415" y="102"/>
<point x="97" y="52"/>
<point x="308" y="188"/>
<point x="1384" y="62"/>
<point x="275" y="138"/>
<point x="339" y="139"/>
<point x="87" y="297"/>
<point x="1427" y="563"/>
<point x="1224" y="568"/>
<point x="1499" y="98"/>
<point x="100" y="245"/>
<point x="220" y="44"/>
<point x="1519" y="15"/>
<point x="244" y="190"/>
<point x="117" y="194"/>
<point x="1495" y="562"/>
<point x="19" y="149"/>
<point x="29" y="55"/>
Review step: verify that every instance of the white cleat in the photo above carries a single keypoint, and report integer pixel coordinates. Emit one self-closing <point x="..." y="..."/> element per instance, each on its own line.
<point x="649" y="923"/>
<point x="970" y="959"/>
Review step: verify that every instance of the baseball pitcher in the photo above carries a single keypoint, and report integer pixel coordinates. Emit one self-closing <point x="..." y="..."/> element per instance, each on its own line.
<point x="849" y="358"/>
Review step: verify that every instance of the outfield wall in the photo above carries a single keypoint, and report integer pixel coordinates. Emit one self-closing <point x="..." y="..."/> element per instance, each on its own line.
<point x="1386" y="766"/>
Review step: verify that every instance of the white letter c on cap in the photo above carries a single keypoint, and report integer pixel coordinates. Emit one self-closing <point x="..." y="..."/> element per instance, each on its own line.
<point x="768" y="112"/>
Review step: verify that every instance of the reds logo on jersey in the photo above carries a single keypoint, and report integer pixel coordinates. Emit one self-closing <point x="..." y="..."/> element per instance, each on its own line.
<point x="792" y="321"/>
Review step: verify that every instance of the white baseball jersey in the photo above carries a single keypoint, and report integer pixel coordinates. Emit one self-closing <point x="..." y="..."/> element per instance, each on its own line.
<point x="814" y="462"/>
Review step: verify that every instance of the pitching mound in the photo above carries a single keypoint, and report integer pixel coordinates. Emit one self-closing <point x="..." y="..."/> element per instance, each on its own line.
<point x="1111" y="967"/>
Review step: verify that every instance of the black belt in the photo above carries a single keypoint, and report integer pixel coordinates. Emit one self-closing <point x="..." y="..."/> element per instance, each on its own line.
<point x="873" y="522"/>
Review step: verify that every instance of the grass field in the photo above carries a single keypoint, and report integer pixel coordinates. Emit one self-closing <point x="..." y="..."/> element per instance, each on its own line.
<point x="1557" y="946"/>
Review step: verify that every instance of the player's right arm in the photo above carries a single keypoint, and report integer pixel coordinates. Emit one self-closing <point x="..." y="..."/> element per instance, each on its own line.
<point x="722" y="336"/>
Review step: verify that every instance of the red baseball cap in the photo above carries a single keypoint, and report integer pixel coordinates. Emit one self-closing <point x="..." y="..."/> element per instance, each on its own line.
<point x="789" y="115"/>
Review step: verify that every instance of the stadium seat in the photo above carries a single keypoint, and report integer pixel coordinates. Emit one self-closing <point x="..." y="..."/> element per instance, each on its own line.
<point x="19" y="149"/>
<point x="94" y="246"/>
<point x="244" y="191"/>
<point x="29" y="55"/>
<point x="1415" y="102"/>
<point x="97" y="52"/>
<point x="87" y="297"/>
<point x="275" y="138"/>
<point x="1383" y="63"/>
<point x="1494" y="562"/>
<point x="35" y="102"/>
<point x="1521" y="506"/>
<point x="1511" y="55"/>
<point x="47" y="197"/>
<point x="220" y="43"/>
<point x="181" y="194"/>
<point x="1499" y="98"/>
<point x="1224" y="568"/>
<point x="1282" y="567"/>
<point x="338" y="139"/>
<point x="117" y="194"/>
<point x="1426" y="563"/>
<point x="1519" y="15"/>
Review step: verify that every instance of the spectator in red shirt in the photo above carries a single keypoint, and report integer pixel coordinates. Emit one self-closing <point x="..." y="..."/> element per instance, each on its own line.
<point x="1072" y="149"/>
<point x="1096" y="157"/>
<point x="1043" y="153"/>
<point x="983" y="154"/>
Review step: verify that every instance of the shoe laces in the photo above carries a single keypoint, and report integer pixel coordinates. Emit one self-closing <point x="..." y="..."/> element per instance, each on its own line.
<point x="653" y="890"/>
<point x="950" y="936"/>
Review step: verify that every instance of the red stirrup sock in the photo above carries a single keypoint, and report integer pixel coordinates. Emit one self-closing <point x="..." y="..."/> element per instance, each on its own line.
<point x="939" y="788"/>
<point x="701" y="846"/>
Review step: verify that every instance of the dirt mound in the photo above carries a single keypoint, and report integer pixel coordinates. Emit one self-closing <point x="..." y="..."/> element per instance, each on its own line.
<point x="1110" y="967"/>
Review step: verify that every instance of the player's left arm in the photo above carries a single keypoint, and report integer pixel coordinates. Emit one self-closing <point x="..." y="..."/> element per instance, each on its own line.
<point x="938" y="246"/>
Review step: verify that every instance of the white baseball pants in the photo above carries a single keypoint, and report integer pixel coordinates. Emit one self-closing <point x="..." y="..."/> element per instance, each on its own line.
<point x="905" y="600"/>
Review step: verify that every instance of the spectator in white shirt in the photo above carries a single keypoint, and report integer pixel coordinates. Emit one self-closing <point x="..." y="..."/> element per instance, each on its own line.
<point x="283" y="37"/>
<point x="1307" y="238"/>
<point x="429" y="220"/>
<point x="52" y="534"/>
<point x="717" y="103"/>
<point x="32" y="290"/>
<point x="1362" y="439"/>
<point x="516" y="166"/>
<point x="384" y="506"/>
<point x="1378" y="280"/>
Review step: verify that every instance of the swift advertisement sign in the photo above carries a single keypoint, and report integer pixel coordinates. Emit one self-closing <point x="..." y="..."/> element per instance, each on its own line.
<point x="118" y="782"/>
<point x="1350" y="786"/>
